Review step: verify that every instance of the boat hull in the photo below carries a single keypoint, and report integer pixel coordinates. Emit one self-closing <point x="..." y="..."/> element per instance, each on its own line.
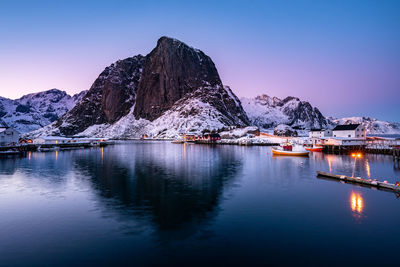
<point x="290" y="153"/>
<point x="314" y="149"/>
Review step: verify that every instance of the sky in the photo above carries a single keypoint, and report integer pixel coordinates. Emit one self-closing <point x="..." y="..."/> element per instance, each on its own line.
<point x="341" y="56"/>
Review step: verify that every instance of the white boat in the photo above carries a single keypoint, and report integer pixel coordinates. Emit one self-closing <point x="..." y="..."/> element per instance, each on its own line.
<point x="278" y="151"/>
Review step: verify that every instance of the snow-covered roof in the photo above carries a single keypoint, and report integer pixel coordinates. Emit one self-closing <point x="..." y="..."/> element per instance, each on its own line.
<point x="2" y="129"/>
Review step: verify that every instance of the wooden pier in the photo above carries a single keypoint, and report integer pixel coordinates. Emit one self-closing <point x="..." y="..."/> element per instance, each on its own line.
<point x="360" y="181"/>
<point x="338" y="149"/>
<point x="396" y="156"/>
<point x="35" y="147"/>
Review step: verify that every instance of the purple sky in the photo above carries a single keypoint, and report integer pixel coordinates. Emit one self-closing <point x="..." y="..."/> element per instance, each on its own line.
<point x="342" y="56"/>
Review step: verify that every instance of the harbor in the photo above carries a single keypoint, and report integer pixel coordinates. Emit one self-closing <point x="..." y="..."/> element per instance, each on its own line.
<point x="152" y="192"/>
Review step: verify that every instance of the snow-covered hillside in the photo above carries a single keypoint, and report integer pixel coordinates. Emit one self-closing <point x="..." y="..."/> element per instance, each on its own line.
<point x="34" y="111"/>
<point x="189" y="115"/>
<point x="267" y="112"/>
<point x="373" y="125"/>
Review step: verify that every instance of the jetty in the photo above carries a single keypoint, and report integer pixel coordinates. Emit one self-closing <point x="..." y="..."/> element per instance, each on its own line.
<point x="363" y="182"/>
<point x="51" y="146"/>
<point x="396" y="155"/>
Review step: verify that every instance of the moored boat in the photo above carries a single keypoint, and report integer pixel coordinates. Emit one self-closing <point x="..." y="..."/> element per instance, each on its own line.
<point x="282" y="152"/>
<point x="314" y="148"/>
<point x="178" y="141"/>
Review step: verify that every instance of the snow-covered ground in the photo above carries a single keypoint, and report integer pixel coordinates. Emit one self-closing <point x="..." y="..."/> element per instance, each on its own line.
<point x="193" y="116"/>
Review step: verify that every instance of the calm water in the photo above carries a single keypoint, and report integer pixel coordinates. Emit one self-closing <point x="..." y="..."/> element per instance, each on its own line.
<point x="156" y="202"/>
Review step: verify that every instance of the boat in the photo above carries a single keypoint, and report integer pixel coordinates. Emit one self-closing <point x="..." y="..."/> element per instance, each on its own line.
<point x="178" y="141"/>
<point x="281" y="152"/>
<point x="314" y="148"/>
<point x="287" y="150"/>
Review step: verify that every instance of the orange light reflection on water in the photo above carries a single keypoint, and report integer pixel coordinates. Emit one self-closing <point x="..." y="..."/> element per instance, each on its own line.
<point x="356" y="202"/>
<point x="330" y="164"/>
<point x="368" y="169"/>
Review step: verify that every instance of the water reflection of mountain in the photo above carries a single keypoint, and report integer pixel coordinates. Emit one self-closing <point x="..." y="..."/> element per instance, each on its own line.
<point x="177" y="186"/>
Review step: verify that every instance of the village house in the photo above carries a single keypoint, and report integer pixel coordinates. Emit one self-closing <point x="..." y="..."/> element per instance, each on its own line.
<point x="8" y="136"/>
<point x="354" y="131"/>
<point x="189" y="137"/>
<point x="211" y="137"/>
<point x="320" y="133"/>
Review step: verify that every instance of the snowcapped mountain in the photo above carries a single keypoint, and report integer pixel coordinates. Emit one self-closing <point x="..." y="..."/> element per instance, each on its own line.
<point x="373" y="125"/>
<point x="175" y="88"/>
<point x="267" y="112"/>
<point x="34" y="111"/>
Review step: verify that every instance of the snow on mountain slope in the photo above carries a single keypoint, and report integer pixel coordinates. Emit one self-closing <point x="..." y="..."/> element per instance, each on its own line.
<point x="189" y="115"/>
<point x="373" y="125"/>
<point x="34" y="111"/>
<point x="267" y="112"/>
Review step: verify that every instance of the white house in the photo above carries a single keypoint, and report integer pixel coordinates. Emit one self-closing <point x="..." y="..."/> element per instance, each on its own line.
<point x="320" y="133"/>
<point x="353" y="131"/>
<point x="8" y="135"/>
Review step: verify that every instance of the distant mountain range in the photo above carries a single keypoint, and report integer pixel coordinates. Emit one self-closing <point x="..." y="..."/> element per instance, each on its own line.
<point x="373" y="125"/>
<point x="172" y="90"/>
<point x="267" y="112"/>
<point x="34" y="111"/>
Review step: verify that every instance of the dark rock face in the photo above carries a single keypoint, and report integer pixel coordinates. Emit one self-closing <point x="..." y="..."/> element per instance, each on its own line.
<point x="147" y="87"/>
<point x="172" y="70"/>
<point x="110" y="97"/>
<point x="304" y="112"/>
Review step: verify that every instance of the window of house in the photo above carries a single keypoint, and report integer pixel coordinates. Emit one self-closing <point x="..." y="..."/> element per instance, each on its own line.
<point x="349" y="135"/>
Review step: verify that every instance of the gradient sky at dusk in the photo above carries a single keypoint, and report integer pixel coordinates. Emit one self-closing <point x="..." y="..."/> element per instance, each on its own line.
<point x="342" y="56"/>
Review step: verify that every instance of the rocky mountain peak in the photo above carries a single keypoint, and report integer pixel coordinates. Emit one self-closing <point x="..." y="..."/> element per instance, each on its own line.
<point x="172" y="70"/>
<point x="175" y="88"/>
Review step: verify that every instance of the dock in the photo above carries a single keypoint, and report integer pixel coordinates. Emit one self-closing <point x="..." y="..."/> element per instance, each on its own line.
<point x="363" y="182"/>
<point x="36" y="147"/>
<point x="396" y="156"/>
